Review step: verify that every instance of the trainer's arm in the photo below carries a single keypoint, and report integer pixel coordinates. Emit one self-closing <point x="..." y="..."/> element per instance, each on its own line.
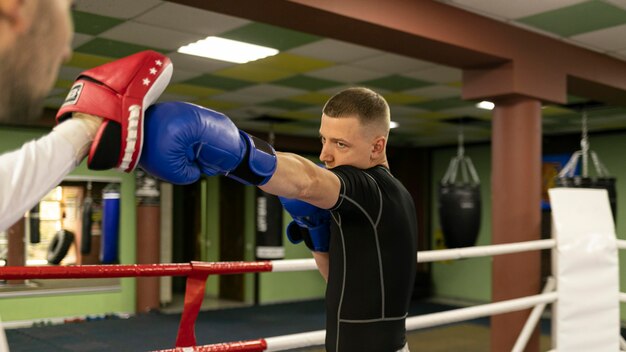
<point x="28" y="173"/>
<point x="299" y="178"/>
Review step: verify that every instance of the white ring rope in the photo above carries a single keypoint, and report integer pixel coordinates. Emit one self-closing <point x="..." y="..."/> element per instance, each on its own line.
<point x="621" y="244"/>
<point x="469" y="313"/>
<point x="481" y="251"/>
<point x="533" y="319"/>
<point x="293" y="265"/>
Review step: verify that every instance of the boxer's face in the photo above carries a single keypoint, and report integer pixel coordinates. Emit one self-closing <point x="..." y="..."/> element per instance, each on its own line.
<point x="31" y="65"/>
<point x="345" y="142"/>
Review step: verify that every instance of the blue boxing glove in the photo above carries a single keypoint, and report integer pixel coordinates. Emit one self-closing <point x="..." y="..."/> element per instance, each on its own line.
<point x="182" y="141"/>
<point x="310" y="224"/>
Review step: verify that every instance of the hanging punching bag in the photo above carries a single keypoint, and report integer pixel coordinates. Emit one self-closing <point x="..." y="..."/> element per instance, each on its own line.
<point x="110" y="224"/>
<point x="33" y="222"/>
<point x="459" y="213"/>
<point x="460" y="202"/>
<point x="85" y="233"/>
<point x="269" y="226"/>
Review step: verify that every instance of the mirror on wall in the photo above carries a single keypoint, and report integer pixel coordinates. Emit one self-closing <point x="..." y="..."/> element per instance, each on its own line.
<point x="76" y="223"/>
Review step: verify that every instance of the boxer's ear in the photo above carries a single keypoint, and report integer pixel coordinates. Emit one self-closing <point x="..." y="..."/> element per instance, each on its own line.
<point x="18" y="14"/>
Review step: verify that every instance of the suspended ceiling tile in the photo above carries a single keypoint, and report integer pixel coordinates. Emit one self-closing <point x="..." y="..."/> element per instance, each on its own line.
<point x="312" y="98"/>
<point x="189" y="19"/>
<point x="64" y="84"/>
<point x="395" y="83"/>
<point x="468" y="110"/>
<point x="576" y="19"/>
<point x="552" y="110"/>
<point x="334" y="50"/>
<point x="166" y="96"/>
<point x="286" y="104"/>
<point x="219" y="82"/>
<point x="93" y="24"/>
<point x="307" y="82"/>
<point x="53" y="102"/>
<point x="293" y="63"/>
<point x="269" y="36"/>
<point x="392" y="63"/>
<point x="179" y="75"/>
<point x="404" y="111"/>
<point x="123" y="9"/>
<point x="271" y="91"/>
<point x="149" y="35"/>
<point x="240" y="99"/>
<point x="437" y="74"/>
<point x="79" y="39"/>
<point x="346" y="74"/>
<point x="112" y="48"/>
<point x="253" y="72"/>
<point x="433" y="115"/>
<point x="218" y="105"/>
<point x="301" y="115"/>
<point x="608" y="39"/>
<point x="70" y="73"/>
<point x="192" y="90"/>
<point x="618" y="3"/>
<point x="197" y="63"/>
<point x="57" y="93"/>
<point x="442" y="104"/>
<point x="435" y="92"/>
<point x="402" y="98"/>
<point x="86" y="61"/>
<point x="513" y="9"/>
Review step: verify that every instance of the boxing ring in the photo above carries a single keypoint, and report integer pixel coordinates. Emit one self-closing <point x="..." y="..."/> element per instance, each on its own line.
<point x="584" y="246"/>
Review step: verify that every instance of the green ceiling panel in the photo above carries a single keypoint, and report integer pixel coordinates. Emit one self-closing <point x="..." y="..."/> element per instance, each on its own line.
<point x="112" y="48"/>
<point x="294" y="63"/>
<point x="314" y="98"/>
<point x="270" y="36"/>
<point x="213" y="81"/>
<point x="192" y="90"/>
<point x="580" y="18"/>
<point x="286" y="104"/>
<point x="442" y="104"/>
<point x="87" y="61"/>
<point x="308" y="83"/>
<point x="88" y="23"/>
<point x="253" y="72"/>
<point x="396" y="83"/>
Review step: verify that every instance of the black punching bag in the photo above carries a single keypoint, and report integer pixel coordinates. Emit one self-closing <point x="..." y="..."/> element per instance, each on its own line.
<point x="459" y="202"/>
<point x="459" y="213"/>
<point x="269" y="227"/>
<point x="33" y="220"/>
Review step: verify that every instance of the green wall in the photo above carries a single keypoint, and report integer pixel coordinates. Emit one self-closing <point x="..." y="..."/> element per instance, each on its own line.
<point x="68" y="305"/>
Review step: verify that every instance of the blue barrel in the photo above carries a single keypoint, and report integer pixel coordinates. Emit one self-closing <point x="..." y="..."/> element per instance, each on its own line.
<point x="110" y="224"/>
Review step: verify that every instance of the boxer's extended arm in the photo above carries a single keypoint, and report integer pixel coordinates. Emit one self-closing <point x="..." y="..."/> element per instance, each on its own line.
<point x="27" y="174"/>
<point x="299" y="178"/>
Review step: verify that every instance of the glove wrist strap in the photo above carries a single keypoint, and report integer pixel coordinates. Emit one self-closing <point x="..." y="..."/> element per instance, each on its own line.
<point x="258" y="164"/>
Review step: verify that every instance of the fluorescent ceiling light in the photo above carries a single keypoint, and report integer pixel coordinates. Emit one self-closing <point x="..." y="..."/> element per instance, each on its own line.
<point x="486" y="105"/>
<point x="393" y="124"/>
<point x="227" y="50"/>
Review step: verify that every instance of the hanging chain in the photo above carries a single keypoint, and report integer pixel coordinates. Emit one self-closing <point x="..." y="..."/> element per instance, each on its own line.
<point x="584" y="146"/>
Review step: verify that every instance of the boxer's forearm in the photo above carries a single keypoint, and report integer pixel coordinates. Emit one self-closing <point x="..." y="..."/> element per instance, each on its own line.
<point x="299" y="178"/>
<point x="321" y="260"/>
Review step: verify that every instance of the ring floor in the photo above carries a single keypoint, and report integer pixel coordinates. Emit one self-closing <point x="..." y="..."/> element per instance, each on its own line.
<point x="154" y="331"/>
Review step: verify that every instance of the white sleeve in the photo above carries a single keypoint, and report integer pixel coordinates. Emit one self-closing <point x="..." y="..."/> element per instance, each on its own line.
<point x="29" y="173"/>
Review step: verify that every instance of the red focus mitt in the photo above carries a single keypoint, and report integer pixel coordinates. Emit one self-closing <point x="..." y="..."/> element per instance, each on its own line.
<point x="119" y="92"/>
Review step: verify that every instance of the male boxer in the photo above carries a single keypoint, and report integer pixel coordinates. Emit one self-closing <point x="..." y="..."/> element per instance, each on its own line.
<point x="370" y="264"/>
<point x="35" y="38"/>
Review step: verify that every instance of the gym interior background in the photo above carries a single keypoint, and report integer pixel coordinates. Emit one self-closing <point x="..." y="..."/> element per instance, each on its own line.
<point x="280" y="97"/>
